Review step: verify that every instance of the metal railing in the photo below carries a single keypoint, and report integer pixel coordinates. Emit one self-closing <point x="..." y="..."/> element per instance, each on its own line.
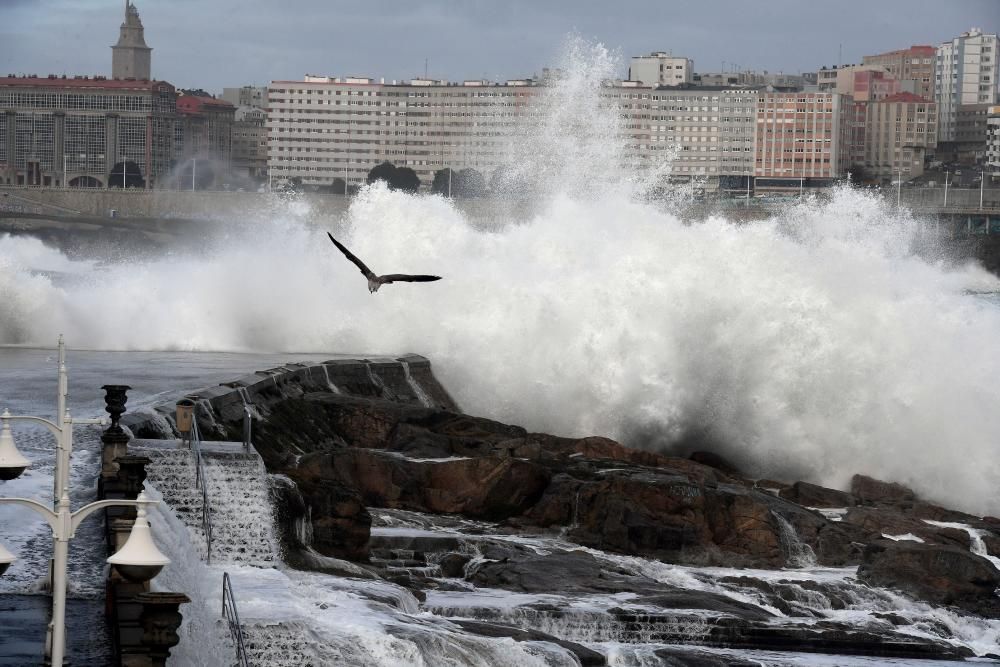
<point x="201" y="483"/>
<point x="232" y="616"/>
<point x="247" y="427"/>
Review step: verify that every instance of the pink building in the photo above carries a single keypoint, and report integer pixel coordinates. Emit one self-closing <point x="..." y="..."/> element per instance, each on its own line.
<point x="801" y="136"/>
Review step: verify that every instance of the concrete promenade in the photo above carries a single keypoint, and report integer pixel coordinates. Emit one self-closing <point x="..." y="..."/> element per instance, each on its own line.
<point x="162" y="214"/>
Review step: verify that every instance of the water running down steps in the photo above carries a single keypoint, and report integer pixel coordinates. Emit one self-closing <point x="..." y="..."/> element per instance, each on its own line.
<point x="242" y="521"/>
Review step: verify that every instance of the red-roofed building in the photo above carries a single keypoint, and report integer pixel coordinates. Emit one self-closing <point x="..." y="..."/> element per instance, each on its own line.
<point x="58" y="130"/>
<point x="203" y="139"/>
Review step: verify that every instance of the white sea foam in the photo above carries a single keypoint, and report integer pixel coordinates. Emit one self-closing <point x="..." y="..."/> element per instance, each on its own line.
<point x="811" y="345"/>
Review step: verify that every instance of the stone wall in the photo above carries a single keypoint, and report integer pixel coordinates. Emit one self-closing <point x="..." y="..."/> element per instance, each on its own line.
<point x="376" y="377"/>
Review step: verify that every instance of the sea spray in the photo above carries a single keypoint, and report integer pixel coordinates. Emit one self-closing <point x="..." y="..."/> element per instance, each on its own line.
<point x="812" y="345"/>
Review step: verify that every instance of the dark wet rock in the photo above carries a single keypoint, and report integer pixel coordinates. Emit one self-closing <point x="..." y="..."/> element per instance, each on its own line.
<point x="812" y="495"/>
<point x="924" y="510"/>
<point x="878" y="521"/>
<point x="771" y="486"/>
<point x="717" y="461"/>
<point x="692" y="657"/>
<point x="587" y="657"/>
<point x="664" y="514"/>
<point x="992" y="543"/>
<point x="453" y="564"/>
<point x="832" y="638"/>
<point x="940" y="574"/>
<point x="487" y="488"/>
<point x="340" y="520"/>
<point x="871" y="491"/>
<point x="580" y="572"/>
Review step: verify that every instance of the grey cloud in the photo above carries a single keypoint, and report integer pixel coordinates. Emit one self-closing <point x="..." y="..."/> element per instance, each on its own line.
<point x="230" y="42"/>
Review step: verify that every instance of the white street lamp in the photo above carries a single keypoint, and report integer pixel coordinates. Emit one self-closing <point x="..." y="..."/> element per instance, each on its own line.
<point x="12" y="462"/>
<point x="139" y="557"/>
<point x="6" y="558"/>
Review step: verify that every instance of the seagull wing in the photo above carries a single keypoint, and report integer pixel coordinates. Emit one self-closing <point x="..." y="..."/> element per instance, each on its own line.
<point x="402" y="277"/>
<point x="349" y="255"/>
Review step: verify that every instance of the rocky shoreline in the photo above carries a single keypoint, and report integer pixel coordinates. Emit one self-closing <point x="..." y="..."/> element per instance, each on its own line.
<point x="357" y="446"/>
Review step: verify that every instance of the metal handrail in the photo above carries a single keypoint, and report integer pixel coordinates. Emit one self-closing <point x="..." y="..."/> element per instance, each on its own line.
<point x="247" y="427"/>
<point x="232" y="616"/>
<point x="201" y="483"/>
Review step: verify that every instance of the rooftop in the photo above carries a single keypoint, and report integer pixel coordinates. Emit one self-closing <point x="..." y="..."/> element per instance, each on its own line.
<point x="63" y="81"/>
<point x="904" y="97"/>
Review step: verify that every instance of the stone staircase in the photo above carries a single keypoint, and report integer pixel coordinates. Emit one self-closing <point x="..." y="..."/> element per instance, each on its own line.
<point x="393" y="562"/>
<point x="236" y="481"/>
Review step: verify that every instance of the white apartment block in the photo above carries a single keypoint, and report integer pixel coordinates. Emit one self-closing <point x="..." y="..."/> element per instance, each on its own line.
<point x="710" y="131"/>
<point x="966" y="72"/>
<point x="661" y="69"/>
<point x="324" y="128"/>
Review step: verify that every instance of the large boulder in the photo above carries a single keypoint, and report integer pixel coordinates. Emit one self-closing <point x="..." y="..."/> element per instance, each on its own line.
<point x="939" y="574"/>
<point x="485" y="487"/>
<point x="663" y="514"/>
<point x="871" y="491"/>
<point x="341" y="524"/>
<point x="876" y="522"/>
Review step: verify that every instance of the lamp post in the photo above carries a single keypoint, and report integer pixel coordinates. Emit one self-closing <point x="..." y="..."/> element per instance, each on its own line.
<point x="946" y="174"/>
<point x="899" y="188"/>
<point x="137" y="560"/>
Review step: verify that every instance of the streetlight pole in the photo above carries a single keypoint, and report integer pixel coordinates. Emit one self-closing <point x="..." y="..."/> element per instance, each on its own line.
<point x="982" y="187"/>
<point x="946" y="175"/>
<point x="138" y="559"/>
<point x="899" y="188"/>
<point x="194" y="171"/>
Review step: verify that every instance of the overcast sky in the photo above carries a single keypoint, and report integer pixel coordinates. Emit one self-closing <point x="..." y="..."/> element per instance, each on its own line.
<point x="215" y="43"/>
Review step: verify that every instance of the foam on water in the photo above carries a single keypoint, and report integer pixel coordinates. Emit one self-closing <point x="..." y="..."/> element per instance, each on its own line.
<point x="812" y="345"/>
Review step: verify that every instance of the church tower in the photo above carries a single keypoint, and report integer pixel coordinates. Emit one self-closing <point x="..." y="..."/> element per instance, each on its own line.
<point x="130" y="56"/>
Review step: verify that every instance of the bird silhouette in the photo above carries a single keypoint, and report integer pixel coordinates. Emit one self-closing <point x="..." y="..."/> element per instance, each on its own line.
<point x="374" y="282"/>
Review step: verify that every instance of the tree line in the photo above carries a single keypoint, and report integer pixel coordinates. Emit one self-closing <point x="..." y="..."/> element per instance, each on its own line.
<point x="448" y="182"/>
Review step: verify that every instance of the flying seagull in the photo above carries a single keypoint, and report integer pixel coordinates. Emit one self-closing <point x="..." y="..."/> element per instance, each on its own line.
<point x="374" y="282"/>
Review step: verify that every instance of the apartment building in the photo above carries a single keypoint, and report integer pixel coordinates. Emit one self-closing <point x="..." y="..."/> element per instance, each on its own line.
<point x="900" y="130"/>
<point x="245" y="96"/>
<point x="709" y="132"/>
<point x="749" y="78"/>
<point x="204" y="131"/>
<point x="913" y="64"/>
<point x="993" y="140"/>
<point x="967" y="72"/>
<point x="323" y="128"/>
<point x="250" y="143"/>
<point x="801" y="136"/>
<point x="661" y="69"/>
<point x="56" y="130"/>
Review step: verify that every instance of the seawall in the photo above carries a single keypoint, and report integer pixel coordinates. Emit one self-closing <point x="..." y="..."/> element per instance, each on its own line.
<point x="407" y="379"/>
